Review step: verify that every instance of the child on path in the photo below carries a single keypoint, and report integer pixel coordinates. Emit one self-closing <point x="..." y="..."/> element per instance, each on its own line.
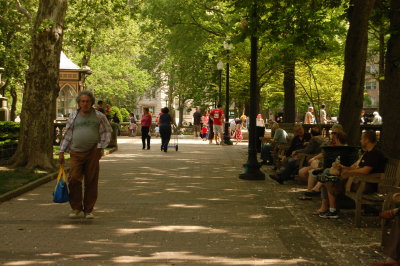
<point x="238" y="132"/>
<point x="204" y="132"/>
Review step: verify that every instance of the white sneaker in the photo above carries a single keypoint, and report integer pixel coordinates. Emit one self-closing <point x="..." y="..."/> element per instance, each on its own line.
<point x="74" y="214"/>
<point x="89" y="215"/>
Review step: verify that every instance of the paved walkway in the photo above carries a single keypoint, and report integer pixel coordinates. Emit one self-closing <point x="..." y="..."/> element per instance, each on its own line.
<point x="180" y="208"/>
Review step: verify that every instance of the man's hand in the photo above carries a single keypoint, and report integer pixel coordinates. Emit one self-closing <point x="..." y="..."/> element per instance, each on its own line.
<point x="61" y="158"/>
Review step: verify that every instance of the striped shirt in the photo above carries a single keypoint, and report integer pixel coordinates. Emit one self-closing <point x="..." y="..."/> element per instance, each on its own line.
<point x="105" y="131"/>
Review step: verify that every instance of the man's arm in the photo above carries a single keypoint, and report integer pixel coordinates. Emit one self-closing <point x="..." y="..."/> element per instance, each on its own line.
<point x="363" y="170"/>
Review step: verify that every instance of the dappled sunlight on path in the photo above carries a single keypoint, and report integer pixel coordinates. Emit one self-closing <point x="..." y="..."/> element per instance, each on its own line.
<point x="178" y="208"/>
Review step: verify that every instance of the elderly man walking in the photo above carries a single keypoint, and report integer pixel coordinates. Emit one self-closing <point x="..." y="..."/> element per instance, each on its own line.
<point x="87" y="133"/>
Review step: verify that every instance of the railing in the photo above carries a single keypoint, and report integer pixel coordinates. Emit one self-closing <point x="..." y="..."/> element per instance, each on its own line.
<point x="59" y="131"/>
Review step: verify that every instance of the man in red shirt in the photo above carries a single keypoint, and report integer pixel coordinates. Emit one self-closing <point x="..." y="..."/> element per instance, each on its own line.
<point x="217" y="116"/>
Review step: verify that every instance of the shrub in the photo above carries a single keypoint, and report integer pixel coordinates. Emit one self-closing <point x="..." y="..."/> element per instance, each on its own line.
<point x="125" y="115"/>
<point x="9" y="130"/>
<point x="115" y="110"/>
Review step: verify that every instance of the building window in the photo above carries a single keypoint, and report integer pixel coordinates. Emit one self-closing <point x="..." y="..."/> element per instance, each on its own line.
<point x="370" y="85"/>
<point x="372" y="69"/>
<point x="66" y="102"/>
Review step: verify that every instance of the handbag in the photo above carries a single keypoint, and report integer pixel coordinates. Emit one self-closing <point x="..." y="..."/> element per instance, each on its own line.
<point x="61" y="191"/>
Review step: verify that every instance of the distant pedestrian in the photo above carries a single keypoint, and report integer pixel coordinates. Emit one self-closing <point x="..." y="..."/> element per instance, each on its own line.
<point x="217" y="116"/>
<point x="165" y="128"/>
<point x="204" y="131"/>
<point x="322" y="115"/>
<point x="238" y="131"/>
<point x="204" y="119"/>
<point x="260" y="131"/>
<point x="87" y="134"/>
<point x="197" y="122"/>
<point x="100" y="107"/>
<point x="309" y="118"/>
<point x="377" y="120"/>
<point x="107" y="111"/>
<point x="210" y="130"/>
<point x="116" y="120"/>
<point x="362" y="117"/>
<point x="243" y="117"/>
<point x="146" y="124"/>
<point x="132" y="125"/>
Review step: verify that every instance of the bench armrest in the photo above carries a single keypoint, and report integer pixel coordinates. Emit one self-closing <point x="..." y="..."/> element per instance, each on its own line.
<point x="363" y="179"/>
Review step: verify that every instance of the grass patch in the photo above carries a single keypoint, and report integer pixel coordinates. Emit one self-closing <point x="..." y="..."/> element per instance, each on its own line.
<point x="11" y="179"/>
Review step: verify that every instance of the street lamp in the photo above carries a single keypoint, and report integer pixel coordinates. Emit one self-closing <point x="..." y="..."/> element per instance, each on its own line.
<point x="220" y="67"/>
<point x="252" y="168"/>
<point x="227" y="138"/>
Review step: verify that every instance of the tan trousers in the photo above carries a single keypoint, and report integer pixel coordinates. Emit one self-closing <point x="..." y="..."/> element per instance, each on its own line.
<point x="84" y="167"/>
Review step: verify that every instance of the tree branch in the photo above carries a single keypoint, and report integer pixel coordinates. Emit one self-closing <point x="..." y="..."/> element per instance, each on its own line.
<point x="22" y="10"/>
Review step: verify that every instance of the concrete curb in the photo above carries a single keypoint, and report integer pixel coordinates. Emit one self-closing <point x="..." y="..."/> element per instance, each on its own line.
<point x="38" y="182"/>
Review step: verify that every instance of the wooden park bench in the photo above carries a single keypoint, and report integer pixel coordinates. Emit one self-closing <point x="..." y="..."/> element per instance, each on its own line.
<point x="387" y="224"/>
<point x="386" y="182"/>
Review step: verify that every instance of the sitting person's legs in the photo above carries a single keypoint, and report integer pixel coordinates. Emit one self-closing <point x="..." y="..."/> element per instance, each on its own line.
<point x="290" y="168"/>
<point x="303" y="172"/>
<point x="266" y="153"/>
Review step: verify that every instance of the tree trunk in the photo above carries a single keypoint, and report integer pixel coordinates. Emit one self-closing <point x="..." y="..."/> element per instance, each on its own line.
<point x="382" y="33"/>
<point x="35" y="146"/>
<point x="391" y="91"/>
<point x="289" y="86"/>
<point x="354" y="74"/>
<point x="180" y="108"/>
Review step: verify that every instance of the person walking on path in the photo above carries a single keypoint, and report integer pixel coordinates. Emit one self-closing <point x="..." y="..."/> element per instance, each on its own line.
<point x="116" y="120"/>
<point x="197" y="122"/>
<point x="165" y="128"/>
<point x="217" y="116"/>
<point x="322" y="115"/>
<point x="238" y="131"/>
<point x="132" y="125"/>
<point x="210" y="130"/>
<point x="309" y="118"/>
<point x="146" y="124"/>
<point x="87" y="134"/>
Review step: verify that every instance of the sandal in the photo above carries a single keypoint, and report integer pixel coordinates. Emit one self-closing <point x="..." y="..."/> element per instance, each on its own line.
<point x="317" y="212"/>
<point x="305" y="198"/>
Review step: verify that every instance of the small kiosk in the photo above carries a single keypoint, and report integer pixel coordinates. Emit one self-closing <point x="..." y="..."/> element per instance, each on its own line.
<point x="71" y="83"/>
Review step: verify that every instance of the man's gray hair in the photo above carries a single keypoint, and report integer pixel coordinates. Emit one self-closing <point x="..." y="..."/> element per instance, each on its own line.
<point x="88" y="93"/>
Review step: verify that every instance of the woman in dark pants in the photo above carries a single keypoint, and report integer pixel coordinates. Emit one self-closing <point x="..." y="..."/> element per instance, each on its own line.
<point x="210" y="130"/>
<point x="146" y="124"/>
<point x="165" y="128"/>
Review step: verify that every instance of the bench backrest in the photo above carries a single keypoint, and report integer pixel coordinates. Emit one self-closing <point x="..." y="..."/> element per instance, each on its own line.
<point x="391" y="177"/>
<point x="348" y="154"/>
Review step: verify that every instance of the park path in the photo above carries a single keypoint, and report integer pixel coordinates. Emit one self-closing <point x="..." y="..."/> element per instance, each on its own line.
<point x="177" y="208"/>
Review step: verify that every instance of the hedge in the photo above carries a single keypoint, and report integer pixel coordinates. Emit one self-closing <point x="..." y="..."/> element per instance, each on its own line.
<point x="9" y="130"/>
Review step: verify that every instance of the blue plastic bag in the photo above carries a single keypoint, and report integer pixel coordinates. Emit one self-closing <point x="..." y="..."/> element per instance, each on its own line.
<point x="61" y="192"/>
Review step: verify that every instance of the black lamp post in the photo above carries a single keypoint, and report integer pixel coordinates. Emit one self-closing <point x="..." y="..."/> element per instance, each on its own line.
<point x="252" y="168"/>
<point x="227" y="138"/>
<point x="220" y="67"/>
